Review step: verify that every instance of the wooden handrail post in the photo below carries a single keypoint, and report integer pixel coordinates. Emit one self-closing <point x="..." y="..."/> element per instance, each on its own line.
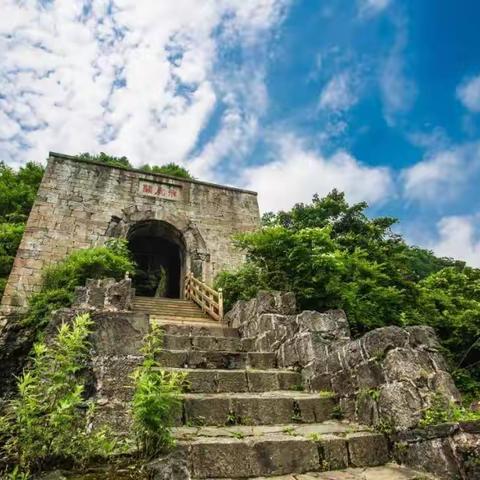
<point x="220" y="303"/>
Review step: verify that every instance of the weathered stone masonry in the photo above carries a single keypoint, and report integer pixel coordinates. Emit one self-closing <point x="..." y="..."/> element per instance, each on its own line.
<point x="82" y="204"/>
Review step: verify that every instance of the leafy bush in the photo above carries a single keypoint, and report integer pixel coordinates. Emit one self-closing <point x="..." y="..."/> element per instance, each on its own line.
<point x="49" y="418"/>
<point x="449" y="301"/>
<point x="59" y="280"/>
<point x="241" y="284"/>
<point x="156" y="401"/>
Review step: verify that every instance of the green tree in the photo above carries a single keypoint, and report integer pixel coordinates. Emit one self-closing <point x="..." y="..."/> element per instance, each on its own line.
<point x="18" y="190"/>
<point x="449" y="301"/>
<point x="17" y="194"/>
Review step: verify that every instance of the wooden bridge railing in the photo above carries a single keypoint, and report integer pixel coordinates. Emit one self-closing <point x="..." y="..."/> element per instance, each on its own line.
<point x="208" y="299"/>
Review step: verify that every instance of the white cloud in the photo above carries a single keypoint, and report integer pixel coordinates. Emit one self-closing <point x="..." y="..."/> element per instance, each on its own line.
<point x="468" y="92"/>
<point x="399" y="90"/>
<point x="367" y="8"/>
<point x="128" y="77"/>
<point x="443" y="175"/>
<point x="458" y="239"/>
<point x="339" y="93"/>
<point x="299" y="173"/>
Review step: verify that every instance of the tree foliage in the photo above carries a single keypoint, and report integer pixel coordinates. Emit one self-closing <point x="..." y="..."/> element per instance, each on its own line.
<point x="17" y="193"/>
<point x="332" y="255"/>
<point x="171" y="168"/>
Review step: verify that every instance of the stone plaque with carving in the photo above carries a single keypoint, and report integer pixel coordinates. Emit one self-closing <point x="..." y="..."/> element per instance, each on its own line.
<point x="160" y="190"/>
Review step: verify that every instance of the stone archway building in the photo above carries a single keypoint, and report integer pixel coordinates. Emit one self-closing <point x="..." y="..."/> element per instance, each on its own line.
<point x="82" y="204"/>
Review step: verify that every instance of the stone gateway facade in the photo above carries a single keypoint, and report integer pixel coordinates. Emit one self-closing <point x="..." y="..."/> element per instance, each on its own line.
<point x="81" y="204"/>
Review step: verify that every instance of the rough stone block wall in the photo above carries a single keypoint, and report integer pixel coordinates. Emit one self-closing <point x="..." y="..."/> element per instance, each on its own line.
<point x="385" y="378"/>
<point x="82" y="204"/>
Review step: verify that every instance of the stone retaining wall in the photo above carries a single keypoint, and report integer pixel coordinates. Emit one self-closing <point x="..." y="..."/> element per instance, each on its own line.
<point x="387" y="377"/>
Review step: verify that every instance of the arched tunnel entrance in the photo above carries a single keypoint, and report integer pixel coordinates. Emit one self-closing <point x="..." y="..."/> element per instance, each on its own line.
<point x="158" y="249"/>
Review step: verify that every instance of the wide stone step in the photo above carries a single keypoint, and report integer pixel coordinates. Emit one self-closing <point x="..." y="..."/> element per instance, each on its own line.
<point x="189" y="308"/>
<point x="164" y="313"/>
<point x="208" y="359"/>
<point x="205" y="342"/>
<point x="243" y="380"/>
<point x="389" y="471"/>
<point x="208" y="328"/>
<point x="242" y="452"/>
<point x="156" y="319"/>
<point x="266" y="408"/>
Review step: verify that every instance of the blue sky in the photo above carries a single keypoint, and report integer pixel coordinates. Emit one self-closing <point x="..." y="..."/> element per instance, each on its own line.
<point x="378" y="98"/>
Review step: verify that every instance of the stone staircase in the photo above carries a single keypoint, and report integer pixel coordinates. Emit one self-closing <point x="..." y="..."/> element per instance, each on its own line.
<point x="245" y="418"/>
<point x="169" y="309"/>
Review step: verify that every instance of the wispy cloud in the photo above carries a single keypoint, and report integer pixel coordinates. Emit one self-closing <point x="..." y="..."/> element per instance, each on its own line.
<point x="398" y="89"/>
<point x="468" y="92"/>
<point x="444" y="174"/>
<point x="339" y="94"/>
<point x="135" y="78"/>
<point x="368" y="8"/>
<point x="299" y="172"/>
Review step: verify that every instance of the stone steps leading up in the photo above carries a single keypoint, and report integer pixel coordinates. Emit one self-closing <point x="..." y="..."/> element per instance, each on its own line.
<point x="216" y="359"/>
<point x="243" y="417"/>
<point x="205" y="342"/>
<point x="241" y="380"/>
<point x="386" y="472"/>
<point x="242" y="452"/>
<point x="167" y="308"/>
<point x="208" y="328"/>
<point x="265" y="408"/>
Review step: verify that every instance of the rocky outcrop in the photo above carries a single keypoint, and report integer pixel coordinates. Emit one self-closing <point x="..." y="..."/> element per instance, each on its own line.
<point x="447" y="450"/>
<point x="385" y="378"/>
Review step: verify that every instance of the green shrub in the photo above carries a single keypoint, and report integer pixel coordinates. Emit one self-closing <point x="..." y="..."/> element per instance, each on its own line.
<point x="156" y="401"/>
<point x="59" y="280"/>
<point x="49" y="419"/>
<point x="241" y="284"/>
<point x="171" y="169"/>
<point x="98" y="262"/>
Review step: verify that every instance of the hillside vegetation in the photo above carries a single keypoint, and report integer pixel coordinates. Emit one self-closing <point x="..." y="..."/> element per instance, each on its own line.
<point x="331" y="255"/>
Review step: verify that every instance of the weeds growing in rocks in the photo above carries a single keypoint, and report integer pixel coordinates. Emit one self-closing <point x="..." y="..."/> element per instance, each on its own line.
<point x="157" y="399"/>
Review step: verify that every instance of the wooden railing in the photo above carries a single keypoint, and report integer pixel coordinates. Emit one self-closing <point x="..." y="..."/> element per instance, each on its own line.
<point x="208" y="299"/>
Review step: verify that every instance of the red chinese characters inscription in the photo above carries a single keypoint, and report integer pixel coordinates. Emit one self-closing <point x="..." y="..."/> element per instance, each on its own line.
<point x="160" y="190"/>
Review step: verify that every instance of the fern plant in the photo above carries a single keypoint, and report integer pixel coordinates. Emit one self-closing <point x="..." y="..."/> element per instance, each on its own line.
<point x="157" y="399"/>
<point x="49" y="419"/>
